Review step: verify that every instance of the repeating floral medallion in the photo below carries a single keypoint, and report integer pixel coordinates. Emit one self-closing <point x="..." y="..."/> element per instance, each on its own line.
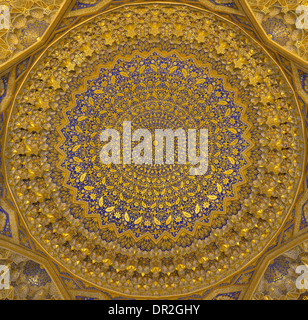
<point x="154" y="230"/>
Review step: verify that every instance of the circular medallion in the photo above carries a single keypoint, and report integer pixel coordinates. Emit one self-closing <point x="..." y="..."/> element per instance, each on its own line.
<point x="154" y="150"/>
<point x="157" y="93"/>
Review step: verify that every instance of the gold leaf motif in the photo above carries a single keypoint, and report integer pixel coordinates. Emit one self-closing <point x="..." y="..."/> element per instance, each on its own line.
<point x="113" y="79"/>
<point x="91" y="101"/>
<point x="124" y="74"/>
<point x="77" y="159"/>
<point x="126" y="217"/>
<point x="228" y="171"/>
<point x="81" y="118"/>
<point x="197" y="209"/>
<point x="200" y="81"/>
<point x="156" y="221"/>
<point x="153" y="66"/>
<point x="101" y="201"/>
<point x="98" y="91"/>
<point x="222" y="103"/>
<point x="173" y="69"/>
<point x="142" y="69"/>
<point x="78" y="129"/>
<point x="89" y="188"/>
<point x="83" y="176"/>
<point x="212" y="197"/>
<point x="231" y="160"/>
<point x="76" y="148"/>
<point x="232" y="130"/>
<point x="169" y="220"/>
<point x="228" y="112"/>
<point x="219" y="187"/>
<point x="110" y="209"/>
<point x="186" y="214"/>
<point x="210" y="89"/>
<point x="184" y="71"/>
<point x="137" y="221"/>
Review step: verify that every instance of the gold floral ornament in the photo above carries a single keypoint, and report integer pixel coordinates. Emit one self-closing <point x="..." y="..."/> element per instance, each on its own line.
<point x="77" y="209"/>
<point x="28" y="20"/>
<point x="28" y="279"/>
<point x="279" y="281"/>
<point x="278" y="19"/>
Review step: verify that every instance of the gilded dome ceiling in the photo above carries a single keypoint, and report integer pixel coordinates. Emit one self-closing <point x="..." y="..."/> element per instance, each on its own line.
<point x="78" y="226"/>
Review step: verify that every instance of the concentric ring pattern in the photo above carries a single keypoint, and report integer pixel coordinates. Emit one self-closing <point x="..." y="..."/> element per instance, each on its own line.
<point x="154" y="93"/>
<point x="154" y="230"/>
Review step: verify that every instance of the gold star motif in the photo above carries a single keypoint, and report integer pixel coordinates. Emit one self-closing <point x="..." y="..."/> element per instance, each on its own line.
<point x="239" y="63"/>
<point x="131" y="30"/>
<point x="267" y="98"/>
<point x="222" y="47"/>
<point x="206" y="205"/>
<point x="109" y="39"/>
<point x="42" y="104"/>
<point x="154" y="28"/>
<point x="272" y="167"/>
<point x="178" y="30"/>
<point x="88" y="51"/>
<point x="31" y="150"/>
<point x="255" y="79"/>
<point x="201" y="36"/>
<point x="276" y="144"/>
<point x="56" y="84"/>
<point x="272" y="121"/>
<point x="71" y="66"/>
<point x="172" y="230"/>
<point x="34" y="126"/>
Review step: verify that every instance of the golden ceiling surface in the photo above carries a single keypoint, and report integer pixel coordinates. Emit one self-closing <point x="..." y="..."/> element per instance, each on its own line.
<point x="74" y="228"/>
